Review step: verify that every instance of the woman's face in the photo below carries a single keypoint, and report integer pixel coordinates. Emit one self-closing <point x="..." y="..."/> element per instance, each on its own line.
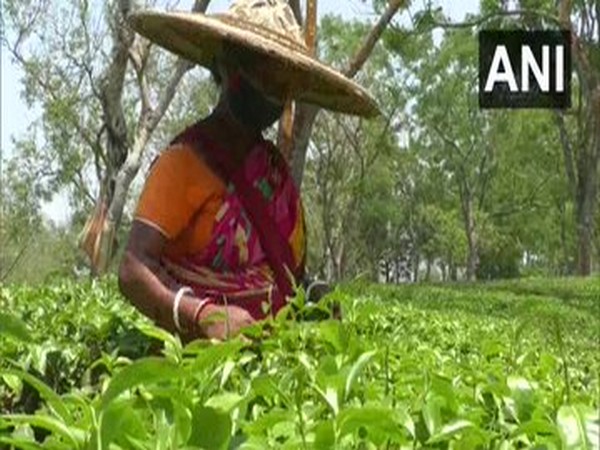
<point x="249" y="105"/>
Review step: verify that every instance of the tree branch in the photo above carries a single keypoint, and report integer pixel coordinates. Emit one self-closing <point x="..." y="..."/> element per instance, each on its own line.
<point x="83" y="186"/>
<point x="138" y="55"/>
<point x="483" y="19"/>
<point x="371" y="39"/>
<point x="51" y="93"/>
<point x="527" y="203"/>
<point x="182" y="66"/>
<point x="448" y="141"/>
<point x="4" y="276"/>
<point x="484" y="173"/>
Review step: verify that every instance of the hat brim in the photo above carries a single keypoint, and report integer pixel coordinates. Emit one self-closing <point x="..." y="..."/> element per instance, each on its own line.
<point x="289" y="73"/>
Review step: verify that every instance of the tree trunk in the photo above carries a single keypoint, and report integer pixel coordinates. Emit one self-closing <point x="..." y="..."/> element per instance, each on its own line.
<point x="581" y="169"/>
<point x="453" y="272"/>
<point x="303" y="124"/>
<point x="472" y="240"/>
<point x="564" y="266"/>
<point x="585" y="215"/>
<point x="341" y="262"/>
<point x="416" y="264"/>
<point x="583" y="153"/>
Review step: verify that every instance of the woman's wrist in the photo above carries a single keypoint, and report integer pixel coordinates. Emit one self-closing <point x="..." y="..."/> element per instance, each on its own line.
<point x="206" y="317"/>
<point x="187" y="310"/>
<point x="177" y="306"/>
<point x="190" y="311"/>
<point x="204" y="310"/>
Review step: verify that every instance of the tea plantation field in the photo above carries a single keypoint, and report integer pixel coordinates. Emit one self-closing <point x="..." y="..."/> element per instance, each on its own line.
<point x="486" y="366"/>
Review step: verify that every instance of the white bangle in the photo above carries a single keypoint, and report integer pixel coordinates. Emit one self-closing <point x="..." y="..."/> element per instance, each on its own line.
<point x="180" y="293"/>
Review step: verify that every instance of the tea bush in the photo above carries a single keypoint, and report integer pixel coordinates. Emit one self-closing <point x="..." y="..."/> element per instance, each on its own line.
<point x="483" y="366"/>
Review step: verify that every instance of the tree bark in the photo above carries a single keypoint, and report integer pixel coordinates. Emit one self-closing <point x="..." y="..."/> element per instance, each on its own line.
<point x="472" y="239"/>
<point x="416" y="264"/>
<point x="341" y="262"/>
<point x="303" y="124"/>
<point x="581" y="170"/>
<point x="582" y="155"/>
<point x="585" y="211"/>
<point x="453" y="272"/>
<point x="564" y="265"/>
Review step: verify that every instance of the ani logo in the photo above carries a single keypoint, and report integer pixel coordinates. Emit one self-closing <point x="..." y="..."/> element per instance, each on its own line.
<point x="525" y="69"/>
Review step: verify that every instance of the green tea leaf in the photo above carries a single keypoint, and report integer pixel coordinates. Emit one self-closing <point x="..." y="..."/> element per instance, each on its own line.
<point x="332" y="332"/>
<point x="55" y="403"/>
<point x="450" y="430"/>
<point x="268" y="420"/>
<point x="13" y="327"/>
<point x="356" y="368"/>
<point x="284" y="431"/>
<point x="265" y="386"/>
<point x="74" y="436"/>
<point x="324" y="436"/>
<point x="443" y="389"/>
<point x="407" y="422"/>
<point x="254" y="443"/>
<point x="377" y="420"/>
<point x="165" y="436"/>
<point x="227" y="370"/>
<point x="142" y="372"/>
<point x="183" y="420"/>
<point x="579" y="427"/>
<point x="330" y="397"/>
<point x="120" y="422"/>
<point x="224" y="402"/>
<point x="86" y="415"/>
<point x="20" y="443"/>
<point x="208" y="355"/>
<point x="522" y="391"/>
<point x="211" y="429"/>
<point x="539" y="427"/>
<point x="155" y="332"/>
<point x="432" y="415"/>
<point x="13" y="382"/>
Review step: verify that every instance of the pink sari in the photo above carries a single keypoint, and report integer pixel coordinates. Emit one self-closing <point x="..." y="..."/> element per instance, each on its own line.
<point x="248" y="262"/>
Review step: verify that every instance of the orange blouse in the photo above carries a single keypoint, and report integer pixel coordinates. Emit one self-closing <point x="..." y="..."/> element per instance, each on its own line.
<point x="181" y="198"/>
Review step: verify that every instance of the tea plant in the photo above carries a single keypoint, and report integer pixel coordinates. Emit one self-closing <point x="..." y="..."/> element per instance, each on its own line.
<point x="500" y="366"/>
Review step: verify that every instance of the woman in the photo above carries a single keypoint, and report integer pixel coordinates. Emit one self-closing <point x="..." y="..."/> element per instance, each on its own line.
<point x="219" y="228"/>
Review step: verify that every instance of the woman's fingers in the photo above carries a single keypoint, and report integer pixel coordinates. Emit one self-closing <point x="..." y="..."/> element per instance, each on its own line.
<point x="227" y="322"/>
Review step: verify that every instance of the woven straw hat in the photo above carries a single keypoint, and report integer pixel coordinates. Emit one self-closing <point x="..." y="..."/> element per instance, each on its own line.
<point x="263" y="38"/>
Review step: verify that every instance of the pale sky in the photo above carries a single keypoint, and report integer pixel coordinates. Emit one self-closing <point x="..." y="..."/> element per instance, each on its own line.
<point x="15" y="116"/>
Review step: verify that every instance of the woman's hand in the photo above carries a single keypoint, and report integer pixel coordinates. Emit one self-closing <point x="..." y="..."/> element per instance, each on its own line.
<point x="223" y="322"/>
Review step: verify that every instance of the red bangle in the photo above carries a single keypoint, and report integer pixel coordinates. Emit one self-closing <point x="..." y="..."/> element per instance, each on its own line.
<point x="203" y="303"/>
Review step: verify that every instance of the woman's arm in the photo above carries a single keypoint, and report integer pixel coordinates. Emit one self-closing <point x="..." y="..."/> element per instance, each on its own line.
<point x="149" y="287"/>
